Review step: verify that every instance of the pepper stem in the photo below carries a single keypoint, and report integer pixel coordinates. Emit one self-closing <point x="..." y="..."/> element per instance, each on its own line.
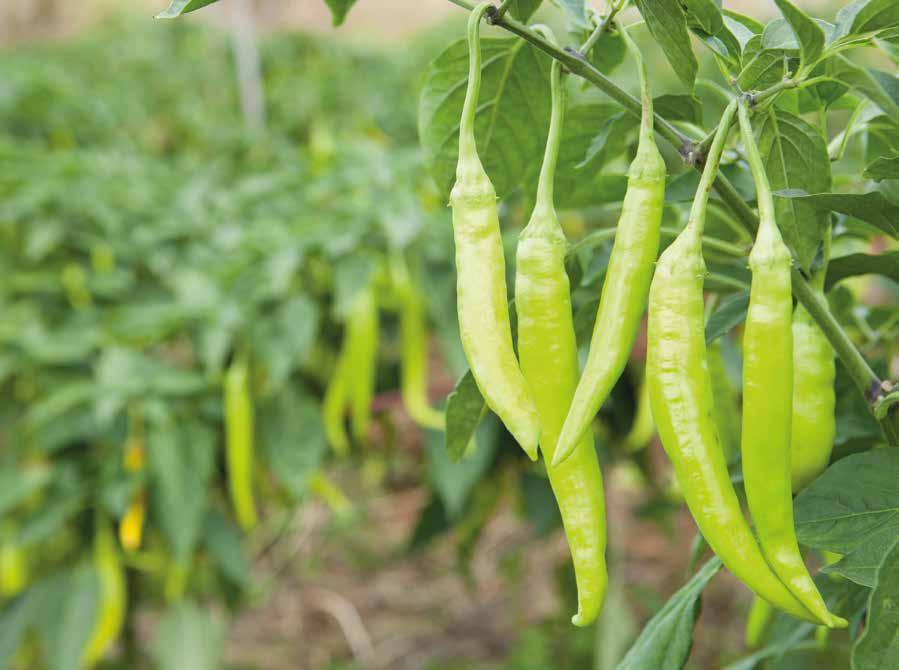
<point x="696" y="223"/>
<point x="765" y="200"/>
<point x="546" y="182"/>
<point x="646" y="115"/>
<point x="467" y="146"/>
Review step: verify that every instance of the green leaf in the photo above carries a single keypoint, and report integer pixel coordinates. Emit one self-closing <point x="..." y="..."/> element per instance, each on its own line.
<point x="668" y="637"/>
<point x="188" y="637"/>
<point x="885" y="167"/>
<point x="853" y="506"/>
<point x="19" y="483"/>
<point x="224" y="542"/>
<point x="539" y="503"/>
<point x="68" y="612"/>
<point x="704" y="14"/>
<point x="807" y="32"/>
<point x="668" y="24"/>
<point x="609" y="52"/>
<point x="512" y="116"/>
<point x="16" y="617"/>
<point x="524" y="9"/>
<point x="730" y="313"/>
<point x="795" y="156"/>
<point x="465" y="407"/>
<point x="870" y="207"/>
<point x="878" y="646"/>
<point x="180" y="459"/>
<point x="453" y="481"/>
<point x="879" y="87"/>
<point x="679" y="108"/>
<point x="761" y="68"/>
<point x="866" y="16"/>
<point x="339" y="10"/>
<point x="293" y="438"/>
<point x="179" y="7"/>
<point x="853" y="265"/>
<point x="576" y="12"/>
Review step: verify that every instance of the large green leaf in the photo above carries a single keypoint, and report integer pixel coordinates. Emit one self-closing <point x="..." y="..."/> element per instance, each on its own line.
<point x="878" y="646"/>
<point x="453" y="481"/>
<point x="667" y="639"/>
<point x="512" y="116"/>
<point x="795" y="157"/>
<point x="67" y="615"/>
<point x="853" y="507"/>
<point x="866" y="16"/>
<point x="885" y="167"/>
<point x="668" y="24"/>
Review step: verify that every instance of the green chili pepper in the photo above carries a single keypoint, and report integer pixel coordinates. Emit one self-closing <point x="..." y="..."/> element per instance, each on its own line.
<point x="13" y="563"/>
<point x="363" y="336"/>
<point x="480" y="267"/>
<point x="239" y="430"/>
<point x="334" y="404"/>
<point x="626" y="286"/>
<point x="414" y="363"/>
<point x="768" y="395"/>
<point x="644" y="427"/>
<point x="113" y="596"/>
<point x="814" y="422"/>
<point x="680" y="391"/>
<point x="757" y="623"/>
<point x="548" y="352"/>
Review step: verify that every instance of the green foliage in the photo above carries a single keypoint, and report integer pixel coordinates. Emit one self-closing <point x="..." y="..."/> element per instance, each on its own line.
<point x="878" y="646"/>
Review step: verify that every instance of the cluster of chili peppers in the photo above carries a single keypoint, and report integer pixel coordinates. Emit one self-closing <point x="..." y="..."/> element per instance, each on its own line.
<point x="788" y="371"/>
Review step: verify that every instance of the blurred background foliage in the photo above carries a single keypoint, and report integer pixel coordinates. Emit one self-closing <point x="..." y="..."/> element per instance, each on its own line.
<point x="147" y="236"/>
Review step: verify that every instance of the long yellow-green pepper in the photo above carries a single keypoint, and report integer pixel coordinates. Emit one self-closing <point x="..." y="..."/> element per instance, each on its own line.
<point x="768" y="395"/>
<point x="113" y="596"/>
<point x="682" y="405"/>
<point x="482" y="299"/>
<point x="548" y="352"/>
<point x="239" y="432"/>
<point x="626" y="285"/>
<point x="414" y="343"/>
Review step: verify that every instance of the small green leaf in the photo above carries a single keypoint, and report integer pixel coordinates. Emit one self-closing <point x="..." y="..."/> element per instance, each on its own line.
<point x="878" y="646"/>
<point x="885" y="167"/>
<point x="668" y="24"/>
<point x="730" y="313"/>
<point x="870" y="207"/>
<point x="465" y="407"/>
<point x="807" y="32"/>
<point x="853" y="265"/>
<point x="668" y="637"/>
<point x="178" y="7"/>
<point x="339" y="10"/>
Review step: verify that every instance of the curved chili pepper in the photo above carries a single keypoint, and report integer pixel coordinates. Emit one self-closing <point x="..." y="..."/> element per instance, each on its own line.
<point x="239" y="431"/>
<point x="113" y="596"/>
<point x="768" y="395"/>
<point x="413" y="335"/>
<point x="626" y="286"/>
<point x="814" y="422"/>
<point x="548" y="352"/>
<point x="680" y="391"/>
<point x="482" y="298"/>
<point x="334" y="404"/>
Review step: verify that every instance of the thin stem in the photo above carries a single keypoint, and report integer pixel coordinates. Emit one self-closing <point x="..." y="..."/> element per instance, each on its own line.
<point x="501" y="10"/>
<point x="554" y="137"/>
<point x="696" y="222"/>
<point x="645" y="92"/>
<point x="711" y="243"/>
<point x="837" y="147"/>
<point x="764" y="198"/>
<point x="466" y="125"/>
<point x="614" y="8"/>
